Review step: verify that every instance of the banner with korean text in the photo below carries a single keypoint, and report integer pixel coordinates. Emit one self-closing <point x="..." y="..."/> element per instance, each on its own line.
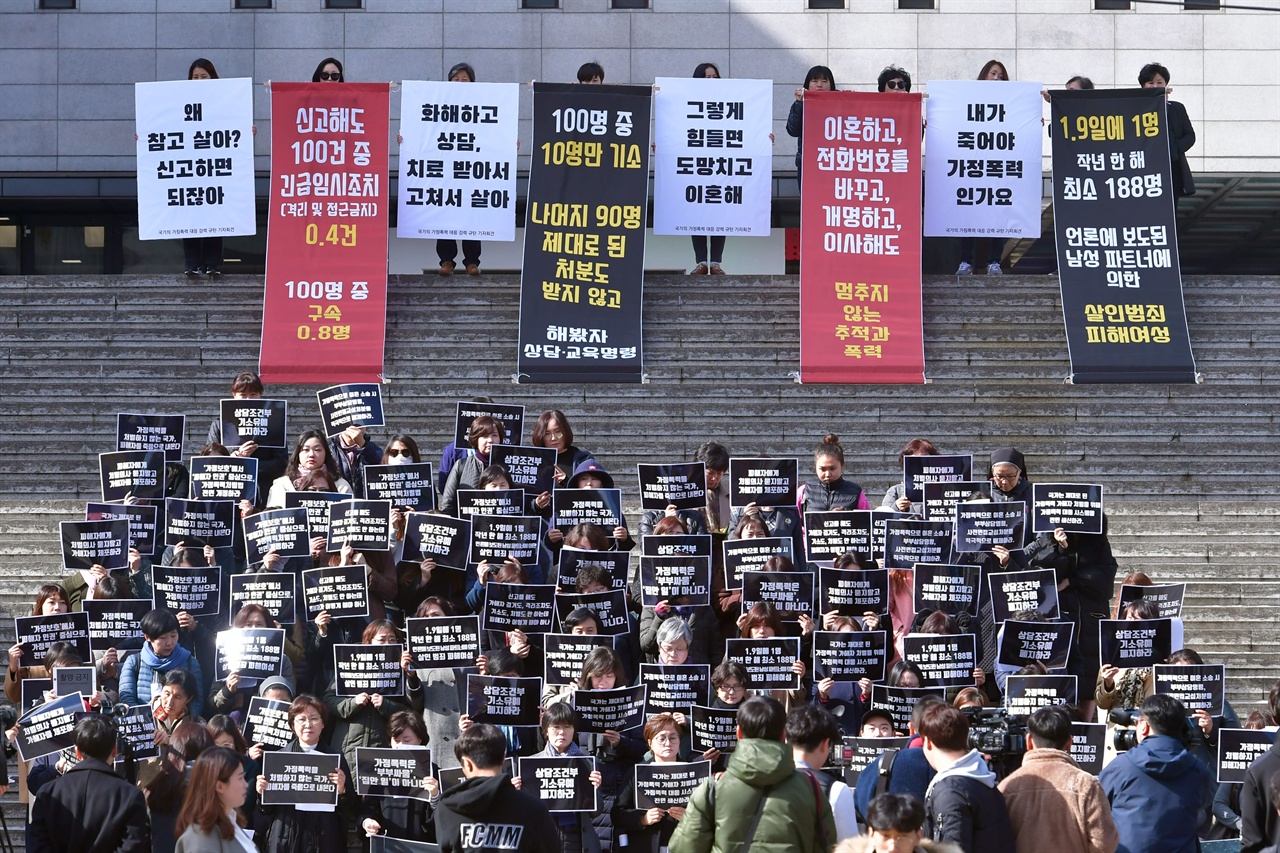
<point x="195" y="158"/>
<point x="458" y="160"/>
<point x="324" y="316"/>
<point x="1114" y="221"/>
<point x="714" y="159"/>
<point x="861" y="317"/>
<point x="984" y="143"/>
<point x="583" y="273"/>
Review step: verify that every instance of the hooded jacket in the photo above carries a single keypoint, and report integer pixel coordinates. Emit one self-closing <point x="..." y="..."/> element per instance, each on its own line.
<point x="962" y="806"/>
<point x="1157" y="791"/>
<point x="487" y="813"/>
<point x="1056" y="807"/>
<point x="792" y="812"/>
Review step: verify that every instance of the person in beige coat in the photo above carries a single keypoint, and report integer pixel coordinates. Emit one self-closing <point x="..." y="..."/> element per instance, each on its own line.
<point x="1056" y="807"/>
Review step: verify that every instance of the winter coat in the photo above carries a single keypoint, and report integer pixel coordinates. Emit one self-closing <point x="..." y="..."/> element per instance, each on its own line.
<point x="781" y="521"/>
<point x="692" y="518"/>
<point x="911" y="774"/>
<point x="442" y="699"/>
<point x="1056" y="807"/>
<point x="707" y="645"/>
<point x="271" y="462"/>
<point x="138" y="672"/>
<point x="795" y="127"/>
<point x="400" y="817"/>
<point x="487" y="814"/>
<point x="369" y="454"/>
<point x="1259" y="824"/>
<point x="963" y="806"/>
<point x="351" y="725"/>
<point x="1089" y="569"/>
<point x="89" y="810"/>
<point x="817" y="496"/>
<point x="464" y="475"/>
<point x="761" y="772"/>
<point x="196" y="841"/>
<point x="285" y="829"/>
<point x="1157" y="791"/>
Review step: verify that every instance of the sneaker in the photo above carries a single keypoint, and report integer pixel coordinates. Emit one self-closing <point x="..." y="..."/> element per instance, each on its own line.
<point x="700" y="269"/>
<point x="473" y="269"/>
<point x="192" y="272"/>
<point x="965" y="268"/>
<point x="213" y="271"/>
<point x="446" y="267"/>
<point x="715" y="270"/>
<point x="994" y="269"/>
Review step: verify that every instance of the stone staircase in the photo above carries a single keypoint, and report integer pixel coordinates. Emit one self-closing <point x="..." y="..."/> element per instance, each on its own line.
<point x="1191" y="472"/>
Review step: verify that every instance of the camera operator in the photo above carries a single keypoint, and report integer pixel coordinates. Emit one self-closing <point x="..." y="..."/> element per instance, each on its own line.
<point x="1157" y="790"/>
<point x="961" y="805"/>
<point x="1053" y="804"/>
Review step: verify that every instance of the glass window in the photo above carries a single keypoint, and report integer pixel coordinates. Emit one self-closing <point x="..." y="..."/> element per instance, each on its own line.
<point x="67" y="249"/>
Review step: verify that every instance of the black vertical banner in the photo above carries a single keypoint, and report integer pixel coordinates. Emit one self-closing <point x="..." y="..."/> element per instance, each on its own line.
<point x="583" y="271"/>
<point x="1114" y="220"/>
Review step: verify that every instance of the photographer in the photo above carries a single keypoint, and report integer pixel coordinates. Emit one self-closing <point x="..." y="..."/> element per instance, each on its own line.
<point x="1157" y="790"/>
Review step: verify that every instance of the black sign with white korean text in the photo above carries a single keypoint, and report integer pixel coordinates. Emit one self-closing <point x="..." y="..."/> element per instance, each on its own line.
<point x="853" y="592"/>
<point x="879" y="518"/>
<point x="364" y="525"/>
<point x="675" y="688"/>
<point x="940" y="499"/>
<point x="742" y="555"/>
<point x="583" y="266"/>
<point x="141" y="518"/>
<point x="900" y="701"/>
<point x="601" y="507"/>
<point x="1114" y="221"/>
<point x="152" y="432"/>
<point x="251" y="652"/>
<point x="264" y="422"/>
<point x="1089" y="746"/>
<point x="1026" y="693"/>
<point x="617" y="710"/>
<point x="907" y="542"/>
<point x="132" y="473"/>
<point x="609" y="607"/>
<point x="562" y="783"/>
<point x="764" y="482"/>
<point x="32" y="692"/>
<point x="511" y="417"/>
<point x="490" y="502"/>
<point x="284" y="531"/>
<point x="1199" y="687"/>
<point x="356" y="404"/>
<point x="70" y="680"/>
<point x="37" y="633"/>
<point x="341" y="590"/>
<point x="299" y="778"/>
<point x="945" y="660"/>
<point x="138" y="731"/>
<point x="679" y="581"/>
<point x="790" y="593"/>
<point x="267" y="723"/>
<point x="833" y="534"/>
<point x="368" y="669"/>
<point x="572" y="561"/>
<point x="714" y="728"/>
<point x="1129" y="643"/>
<point x="564" y="654"/>
<point x="981" y="526"/>
<point x="849" y="655"/>
<point x="115" y="623"/>
<point x="452" y="777"/>
<point x="1021" y="643"/>
<point x="519" y="607"/>
<point x="48" y="728"/>
<point x="495" y="538"/>
<point x="530" y="468"/>
<point x="224" y="478"/>
<point x="317" y="505"/>
<point x="196" y="590"/>
<point x="1168" y="598"/>
<point x="1238" y="748"/>
<point x="858" y="753"/>
<point x="273" y="590"/>
<point x="443" y="642"/>
<point x="768" y="661"/>
<point x="681" y="484"/>
<point x="392" y="772"/>
<point x="1076" y="508"/>
<point x="408" y="486"/>
<point x="89" y="543"/>
<point x="951" y="589"/>
<point x="676" y="545"/>
<point x="918" y="470"/>
<point x="1033" y="589"/>
<point x="209" y="521"/>
<point x="662" y="786"/>
<point x="503" y="701"/>
<point x="442" y="538"/>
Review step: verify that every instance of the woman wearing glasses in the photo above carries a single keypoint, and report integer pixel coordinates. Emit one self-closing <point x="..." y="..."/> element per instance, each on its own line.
<point x="650" y="830"/>
<point x="328" y="71"/>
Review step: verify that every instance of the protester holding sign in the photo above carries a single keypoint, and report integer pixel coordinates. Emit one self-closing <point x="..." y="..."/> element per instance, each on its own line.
<point x="271" y="460"/>
<point x="361" y="720"/>
<point x="233" y="693"/>
<point x="403" y="817"/>
<point x="552" y="430"/>
<point x="559" y="722"/>
<point x="484" y="432"/>
<point x="1126" y="687"/>
<point x="140" y="674"/>
<point x="649" y="830"/>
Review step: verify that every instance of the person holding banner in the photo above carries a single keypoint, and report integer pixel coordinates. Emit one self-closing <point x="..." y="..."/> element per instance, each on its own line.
<point x="328" y="71"/>
<point x="142" y="675"/>
<point x="896" y="496"/>
<point x="309" y="463"/>
<point x="1182" y="136"/>
<point x="203" y="254"/>
<point x="447" y="250"/>
<point x="209" y="821"/>
<point x="993" y="70"/>
<point x="819" y="79"/>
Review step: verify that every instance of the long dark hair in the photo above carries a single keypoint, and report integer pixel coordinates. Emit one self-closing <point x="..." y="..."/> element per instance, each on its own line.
<point x="291" y="470"/>
<point x="206" y="65"/>
<point x="701" y="70"/>
<point x="315" y="75"/>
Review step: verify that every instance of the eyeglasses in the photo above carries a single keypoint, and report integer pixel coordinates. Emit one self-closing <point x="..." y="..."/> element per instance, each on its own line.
<point x="672" y="647"/>
<point x="730" y="686"/>
<point x="1004" y="477"/>
<point x="898" y="84"/>
<point x="335" y="76"/>
<point x="396" y="451"/>
<point x="666" y="737"/>
<point x="554" y="433"/>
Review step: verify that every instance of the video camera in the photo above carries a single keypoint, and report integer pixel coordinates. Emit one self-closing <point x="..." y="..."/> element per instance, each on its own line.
<point x="993" y="732"/>
<point x="1125" y="734"/>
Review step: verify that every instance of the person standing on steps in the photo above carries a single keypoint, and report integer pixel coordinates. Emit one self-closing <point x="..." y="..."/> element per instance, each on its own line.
<point x="203" y="254"/>
<point x="819" y="79"/>
<point x="447" y="250"/>
<point x="708" y="249"/>
<point x="993" y="70"/>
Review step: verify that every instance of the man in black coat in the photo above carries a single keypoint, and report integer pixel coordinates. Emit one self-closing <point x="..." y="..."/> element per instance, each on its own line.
<point x="962" y="804"/>
<point x="90" y="809"/>
<point x="1260" y="825"/>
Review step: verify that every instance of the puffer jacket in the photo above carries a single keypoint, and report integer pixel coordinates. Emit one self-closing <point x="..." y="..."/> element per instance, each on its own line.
<point x="817" y="496"/>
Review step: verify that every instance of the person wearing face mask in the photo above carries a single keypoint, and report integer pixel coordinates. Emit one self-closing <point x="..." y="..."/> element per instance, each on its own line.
<point x="819" y="79"/>
<point x="403" y="817"/>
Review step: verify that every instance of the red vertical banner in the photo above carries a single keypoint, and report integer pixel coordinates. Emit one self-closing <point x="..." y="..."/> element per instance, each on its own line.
<point x="324" y="317"/>
<point x="860" y="306"/>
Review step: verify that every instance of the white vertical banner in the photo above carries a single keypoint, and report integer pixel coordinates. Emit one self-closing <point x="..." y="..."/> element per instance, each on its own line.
<point x="714" y="159"/>
<point x="458" y="160"/>
<point x="195" y="158"/>
<point x="983" y="146"/>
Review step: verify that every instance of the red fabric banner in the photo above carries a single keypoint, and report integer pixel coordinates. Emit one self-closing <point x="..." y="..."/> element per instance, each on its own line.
<point x="860" y="307"/>
<point x="324" y="317"/>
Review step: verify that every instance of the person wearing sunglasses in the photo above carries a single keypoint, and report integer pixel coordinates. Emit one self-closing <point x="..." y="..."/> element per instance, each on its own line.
<point x="893" y="79"/>
<point x="328" y="71"/>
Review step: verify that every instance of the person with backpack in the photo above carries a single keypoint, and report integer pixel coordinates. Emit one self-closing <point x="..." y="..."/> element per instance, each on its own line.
<point x="812" y="732"/>
<point x="762" y="799"/>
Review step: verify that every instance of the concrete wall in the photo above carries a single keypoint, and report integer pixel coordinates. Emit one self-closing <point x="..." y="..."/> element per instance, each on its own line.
<point x="66" y="100"/>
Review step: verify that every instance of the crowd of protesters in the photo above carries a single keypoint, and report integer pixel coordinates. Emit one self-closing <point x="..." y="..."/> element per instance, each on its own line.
<point x="784" y="784"/>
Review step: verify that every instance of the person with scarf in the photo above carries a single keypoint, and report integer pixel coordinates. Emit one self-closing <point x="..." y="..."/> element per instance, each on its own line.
<point x="559" y="723"/>
<point x="483" y="434"/>
<point x="142" y="675"/>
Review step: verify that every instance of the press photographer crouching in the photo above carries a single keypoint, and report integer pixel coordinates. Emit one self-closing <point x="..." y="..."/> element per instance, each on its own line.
<point x="1157" y="789"/>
